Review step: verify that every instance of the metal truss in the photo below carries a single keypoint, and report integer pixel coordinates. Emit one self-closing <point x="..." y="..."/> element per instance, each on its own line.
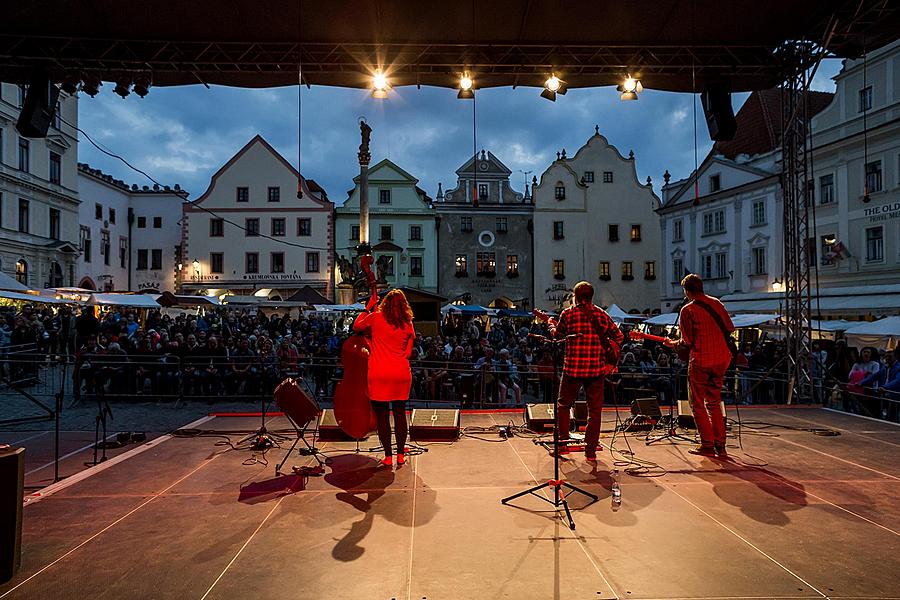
<point x="350" y="64"/>
<point x="797" y="251"/>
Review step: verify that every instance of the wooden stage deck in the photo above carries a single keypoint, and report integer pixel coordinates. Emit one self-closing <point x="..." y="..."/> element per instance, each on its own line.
<point x="792" y="515"/>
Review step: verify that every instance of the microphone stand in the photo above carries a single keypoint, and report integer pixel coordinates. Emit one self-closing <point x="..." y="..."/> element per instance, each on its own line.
<point x="559" y="497"/>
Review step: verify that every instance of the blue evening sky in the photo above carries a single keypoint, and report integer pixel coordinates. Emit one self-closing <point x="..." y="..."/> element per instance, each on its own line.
<point x="183" y="135"/>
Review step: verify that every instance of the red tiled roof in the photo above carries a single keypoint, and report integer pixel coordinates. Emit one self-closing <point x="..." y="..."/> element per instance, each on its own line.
<point x="759" y="123"/>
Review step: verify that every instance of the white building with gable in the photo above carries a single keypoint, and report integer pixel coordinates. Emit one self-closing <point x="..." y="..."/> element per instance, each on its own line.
<point x="249" y="233"/>
<point x="594" y="221"/>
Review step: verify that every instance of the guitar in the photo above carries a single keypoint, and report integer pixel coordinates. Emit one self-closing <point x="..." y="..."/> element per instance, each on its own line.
<point x="352" y="405"/>
<point x="684" y="353"/>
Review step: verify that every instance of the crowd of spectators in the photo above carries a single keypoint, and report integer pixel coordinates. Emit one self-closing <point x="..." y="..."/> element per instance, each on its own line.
<point x="471" y="361"/>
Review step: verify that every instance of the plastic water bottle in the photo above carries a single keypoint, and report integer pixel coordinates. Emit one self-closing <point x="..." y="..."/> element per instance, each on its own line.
<point x="616" y="496"/>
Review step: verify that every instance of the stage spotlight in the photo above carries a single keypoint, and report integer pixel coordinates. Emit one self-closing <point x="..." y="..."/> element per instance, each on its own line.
<point x="380" y="85"/>
<point x="142" y="84"/>
<point x="70" y="84"/>
<point x="465" y="87"/>
<point x="553" y="86"/>
<point x="123" y="87"/>
<point x="91" y="85"/>
<point x="630" y="88"/>
<point x="552" y="83"/>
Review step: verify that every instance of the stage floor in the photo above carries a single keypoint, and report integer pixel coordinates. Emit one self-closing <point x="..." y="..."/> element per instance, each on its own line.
<point x="186" y="518"/>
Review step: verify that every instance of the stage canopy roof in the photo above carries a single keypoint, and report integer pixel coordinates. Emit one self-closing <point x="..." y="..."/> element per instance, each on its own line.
<point x="668" y="44"/>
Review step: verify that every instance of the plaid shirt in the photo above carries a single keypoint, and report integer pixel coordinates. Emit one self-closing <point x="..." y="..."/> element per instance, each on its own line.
<point x="585" y="355"/>
<point x="703" y="335"/>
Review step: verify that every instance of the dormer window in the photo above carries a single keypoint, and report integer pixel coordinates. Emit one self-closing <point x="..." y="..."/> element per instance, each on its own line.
<point x="559" y="192"/>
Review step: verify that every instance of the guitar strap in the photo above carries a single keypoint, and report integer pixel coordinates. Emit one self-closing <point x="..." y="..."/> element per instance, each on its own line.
<point x="729" y="341"/>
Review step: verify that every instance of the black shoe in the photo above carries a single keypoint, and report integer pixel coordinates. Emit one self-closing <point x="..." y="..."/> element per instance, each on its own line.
<point x="721" y="451"/>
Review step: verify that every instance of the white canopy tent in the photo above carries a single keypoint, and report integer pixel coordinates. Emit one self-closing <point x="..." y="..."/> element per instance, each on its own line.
<point x="752" y="320"/>
<point x="883" y="334"/>
<point x="130" y="300"/>
<point x="663" y="319"/>
<point x="8" y="295"/>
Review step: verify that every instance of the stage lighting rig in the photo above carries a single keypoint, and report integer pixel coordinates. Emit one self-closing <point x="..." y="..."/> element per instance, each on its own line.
<point x="380" y="85"/>
<point x="465" y="87"/>
<point x="70" y="84"/>
<point x="123" y="87"/>
<point x="553" y="86"/>
<point x="630" y="88"/>
<point x="142" y="83"/>
<point x="91" y="85"/>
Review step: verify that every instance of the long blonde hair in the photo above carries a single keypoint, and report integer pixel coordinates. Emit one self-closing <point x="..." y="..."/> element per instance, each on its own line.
<point x="395" y="309"/>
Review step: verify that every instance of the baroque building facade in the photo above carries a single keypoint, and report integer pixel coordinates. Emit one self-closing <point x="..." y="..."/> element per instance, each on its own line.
<point x="724" y="221"/>
<point x="38" y="195"/>
<point x="594" y="221"/>
<point x="856" y="176"/>
<point x="129" y="236"/>
<point x="401" y="230"/>
<point x="484" y="237"/>
<point x="249" y="233"/>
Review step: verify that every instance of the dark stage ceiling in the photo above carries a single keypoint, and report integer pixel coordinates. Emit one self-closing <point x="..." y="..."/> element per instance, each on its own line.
<point x="676" y="45"/>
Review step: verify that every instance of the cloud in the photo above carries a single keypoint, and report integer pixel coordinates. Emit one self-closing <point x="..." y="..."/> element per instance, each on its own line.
<point x="679" y="115"/>
<point x="183" y="135"/>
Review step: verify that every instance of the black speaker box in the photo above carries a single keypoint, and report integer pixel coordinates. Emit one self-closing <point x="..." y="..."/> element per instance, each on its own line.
<point x="720" y="119"/>
<point x="295" y="403"/>
<point x="539" y="417"/>
<point x="12" y="487"/>
<point x="649" y="407"/>
<point x="38" y="108"/>
<point x="329" y="431"/>
<point x="434" y="424"/>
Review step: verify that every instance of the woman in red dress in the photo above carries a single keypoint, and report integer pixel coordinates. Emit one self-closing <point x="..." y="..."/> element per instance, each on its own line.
<point x="389" y="376"/>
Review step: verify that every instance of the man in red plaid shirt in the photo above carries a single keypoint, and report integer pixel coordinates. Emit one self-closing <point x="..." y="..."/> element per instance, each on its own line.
<point x="588" y="331"/>
<point x="710" y="357"/>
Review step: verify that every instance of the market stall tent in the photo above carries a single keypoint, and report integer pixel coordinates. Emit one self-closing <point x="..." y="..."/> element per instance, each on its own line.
<point x="883" y="334"/>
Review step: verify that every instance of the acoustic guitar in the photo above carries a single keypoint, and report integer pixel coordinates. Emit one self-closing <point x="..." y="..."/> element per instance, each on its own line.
<point x="683" y="352"/>
<point x="352" y="405"/>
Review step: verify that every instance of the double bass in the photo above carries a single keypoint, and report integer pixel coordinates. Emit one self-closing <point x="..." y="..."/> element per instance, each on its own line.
<point x="352" y="405"/>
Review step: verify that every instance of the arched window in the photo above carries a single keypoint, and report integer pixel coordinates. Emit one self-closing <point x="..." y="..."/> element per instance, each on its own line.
<point x="56" y="275"/>
<point x="22" y="272"/>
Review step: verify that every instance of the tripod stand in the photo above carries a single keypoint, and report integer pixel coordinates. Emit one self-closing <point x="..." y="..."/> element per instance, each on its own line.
<point x="103" y="410"/>
<point x="262" y="439"/>
<point x="670" y="423"/>
<point x="559" y="497"/>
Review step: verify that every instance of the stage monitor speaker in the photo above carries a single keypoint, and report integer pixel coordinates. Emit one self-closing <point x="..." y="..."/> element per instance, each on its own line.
<point x="296" y="403"/>
<point x="649" y="407"/>
<point x="686" y="413"/>
<point x="12" y="487"/>
<point x="39" y="107"/>
<point x="329" y="431"/>
<point x="580" y="411"/>
<point x="720" y="121"/>
<point x="539" y="417"/>
<point x="434" y="425"/>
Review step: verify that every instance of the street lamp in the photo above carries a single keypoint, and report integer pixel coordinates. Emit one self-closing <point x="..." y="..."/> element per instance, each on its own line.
<point x="777" y="285"/>
<point x="196" y="265"/>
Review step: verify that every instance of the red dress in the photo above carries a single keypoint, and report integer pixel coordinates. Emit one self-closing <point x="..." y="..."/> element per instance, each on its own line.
<point x="389" y="376"/>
